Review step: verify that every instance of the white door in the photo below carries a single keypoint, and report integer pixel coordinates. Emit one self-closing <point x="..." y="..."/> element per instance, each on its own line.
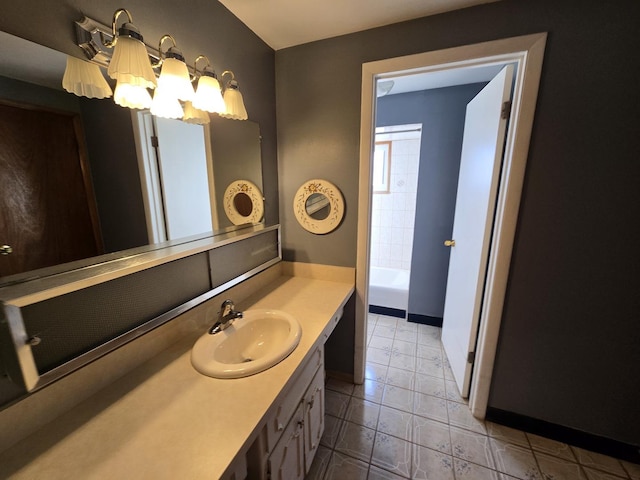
<point x="482" y="149"/>
<point x="182" y="161"/>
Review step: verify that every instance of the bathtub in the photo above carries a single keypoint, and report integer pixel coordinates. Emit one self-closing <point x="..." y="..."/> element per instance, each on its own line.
<point x="389" y="287"/>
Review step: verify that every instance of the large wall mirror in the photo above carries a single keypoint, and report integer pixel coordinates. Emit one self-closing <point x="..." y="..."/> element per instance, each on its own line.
<point x="84" y="181"/>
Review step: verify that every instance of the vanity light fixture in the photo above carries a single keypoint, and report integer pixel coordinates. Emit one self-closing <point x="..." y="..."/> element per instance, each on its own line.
<point x="174" y="83"/>
<point x="130" y="62"/>
<point x="208" y="95"/>
<point x="130" y="65"/>
<point x="233" y="101"/>
<point x="194" y="115"/>
<point x="85" y="79"/>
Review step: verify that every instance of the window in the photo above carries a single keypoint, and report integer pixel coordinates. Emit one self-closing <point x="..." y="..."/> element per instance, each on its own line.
<point x="381" y="167"/>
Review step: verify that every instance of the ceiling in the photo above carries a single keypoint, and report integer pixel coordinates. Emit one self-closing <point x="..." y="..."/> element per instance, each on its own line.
<point x="285" y="23"/>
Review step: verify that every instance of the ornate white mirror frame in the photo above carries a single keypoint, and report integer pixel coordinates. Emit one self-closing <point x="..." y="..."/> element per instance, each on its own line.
<point x="251" y="190"/>
<point x="335" y="203"/>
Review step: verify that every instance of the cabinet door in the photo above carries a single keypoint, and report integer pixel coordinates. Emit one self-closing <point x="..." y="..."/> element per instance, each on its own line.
<point x="287" y="459"/>
<point x="313" y="417"/>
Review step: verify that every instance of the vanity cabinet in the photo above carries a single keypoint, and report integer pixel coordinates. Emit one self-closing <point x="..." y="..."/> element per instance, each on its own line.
<point x="287" y="444"/>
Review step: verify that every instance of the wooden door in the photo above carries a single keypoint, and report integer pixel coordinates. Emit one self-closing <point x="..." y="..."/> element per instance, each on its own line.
<point x="482" y="148"/>
<point x="47" y="207"/>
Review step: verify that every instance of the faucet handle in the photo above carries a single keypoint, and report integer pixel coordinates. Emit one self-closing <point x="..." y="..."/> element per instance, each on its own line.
<point x="227" y="307"/>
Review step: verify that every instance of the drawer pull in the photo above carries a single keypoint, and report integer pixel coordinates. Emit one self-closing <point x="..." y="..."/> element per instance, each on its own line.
<point x="280" y="427"/>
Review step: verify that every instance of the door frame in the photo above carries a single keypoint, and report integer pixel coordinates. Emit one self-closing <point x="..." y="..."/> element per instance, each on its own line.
<point x="527" y="53"/>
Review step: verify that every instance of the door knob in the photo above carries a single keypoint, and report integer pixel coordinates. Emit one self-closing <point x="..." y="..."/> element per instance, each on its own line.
<point x="449" y="243"/>
<point x="6" y="250"/>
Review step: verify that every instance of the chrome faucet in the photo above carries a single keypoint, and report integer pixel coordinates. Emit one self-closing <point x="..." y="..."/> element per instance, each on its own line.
<point x="226" y="316"/>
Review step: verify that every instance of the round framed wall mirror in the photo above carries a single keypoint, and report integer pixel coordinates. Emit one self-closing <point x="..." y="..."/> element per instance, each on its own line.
<point x="243" y="202"/>
<point x="318" y="206"/>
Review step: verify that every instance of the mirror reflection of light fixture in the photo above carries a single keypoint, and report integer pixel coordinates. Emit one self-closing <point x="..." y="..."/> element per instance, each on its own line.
<point x="195" y="115"/>
<point x="208" y="95"/>
<point x="128" y="60"/>
<point x="130" y="65"/>
<point x="85" y="79"/>
<point x="233" y="101"/>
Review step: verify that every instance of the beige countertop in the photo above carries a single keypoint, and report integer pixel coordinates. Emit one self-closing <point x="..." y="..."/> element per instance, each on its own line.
<point x="165" y="420"/>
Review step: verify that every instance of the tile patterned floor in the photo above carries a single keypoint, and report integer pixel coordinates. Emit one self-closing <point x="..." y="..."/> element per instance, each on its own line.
<point x="408" y="421"/>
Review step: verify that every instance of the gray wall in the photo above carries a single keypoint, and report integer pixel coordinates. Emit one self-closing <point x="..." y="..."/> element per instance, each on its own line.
<point x="568" y="349"/>
<point x="199" y="27"/>
<point x="441" y="113"/>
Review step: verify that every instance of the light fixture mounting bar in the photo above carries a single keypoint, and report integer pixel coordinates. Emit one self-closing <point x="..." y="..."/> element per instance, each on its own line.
<point x="91" y="36"/>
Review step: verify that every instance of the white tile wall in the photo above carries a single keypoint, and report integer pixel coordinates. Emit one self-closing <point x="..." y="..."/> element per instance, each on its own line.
<point x="393" y="213"/>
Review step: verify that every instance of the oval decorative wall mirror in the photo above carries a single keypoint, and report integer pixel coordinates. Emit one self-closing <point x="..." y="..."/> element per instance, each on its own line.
<point x="318" y="206"/>
<point x="243" y="202"/>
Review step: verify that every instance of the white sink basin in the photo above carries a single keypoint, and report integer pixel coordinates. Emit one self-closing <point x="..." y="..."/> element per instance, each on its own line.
<point x="254" y="343"/>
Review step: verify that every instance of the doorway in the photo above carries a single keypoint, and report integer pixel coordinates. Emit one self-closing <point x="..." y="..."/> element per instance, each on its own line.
<point x="526" y="53"/>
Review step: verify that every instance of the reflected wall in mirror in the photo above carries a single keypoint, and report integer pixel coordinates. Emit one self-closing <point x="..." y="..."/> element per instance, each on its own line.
<point x="318" y="206"/>
<point x="110" y="196"/>
<point x="235" y="146"/>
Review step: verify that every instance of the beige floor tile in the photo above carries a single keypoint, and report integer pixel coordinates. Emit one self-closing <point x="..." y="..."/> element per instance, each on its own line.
<point x="397" y="397"/>
<point x="431" y="465"/>
<point x="551" y="447"/>
<point x="383" y="343"/>
<point x="342" y="467"/>
<point x="377" y="355"/>
<point x="471" y="446"/>
<point x="453" y="393"/>
<point x="430" y="407"/>
<point x="599" y="461"/>
<point x="356" y="441"/>
<point x="405" y="362"/>
<point x="506" y="434"/>
<point x="331" y="430"/>
<point x="429" y="352"/>
<point x="400" y="378"/>
<point x="405" y="335"/>
<point x="395" y="422"/>
<point x="375" y="371"/>
<point x="402" y="346"/>
<point x="633" y="469"/>
<point x="514" y="460"/>
<point x="382" y="330"/>
<point x="369" y="390"/>
<point x="341" y="386"/>
<point x="392" y="454"/>
<point x="470" y="471"/>
<point x="429" y="367"/>
<point x="363" y="412"/>
<point x="376" y="473"/>
<point x="558" y="468"/>
<point x="320" y="464"/>
<point x="593" y="474"/>
<point x="460" y="416"/>
<point x="335" y="403"/>
<point x="431" y="434"/>
<point x="430" y="385"/>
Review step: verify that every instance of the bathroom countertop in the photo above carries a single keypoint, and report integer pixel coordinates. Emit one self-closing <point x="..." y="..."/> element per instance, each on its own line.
<point x="164" y="419"/>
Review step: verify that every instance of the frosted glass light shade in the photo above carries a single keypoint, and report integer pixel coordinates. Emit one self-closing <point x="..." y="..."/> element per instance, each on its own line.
<point x="194" y="115"/>
<point x="208" y="96"/>
<point x="85" y="79"/>
<point x="165" y="104"/>
<point x="130" y="63"/>
<point x="131" y="96"/>
<point x="174" y="77"/>
<point x="234" y="104"/>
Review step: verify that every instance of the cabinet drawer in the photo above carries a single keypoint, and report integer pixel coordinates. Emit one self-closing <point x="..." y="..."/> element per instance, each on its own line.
<point x="290" y="401"/>
<point x="286" y="462"/>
